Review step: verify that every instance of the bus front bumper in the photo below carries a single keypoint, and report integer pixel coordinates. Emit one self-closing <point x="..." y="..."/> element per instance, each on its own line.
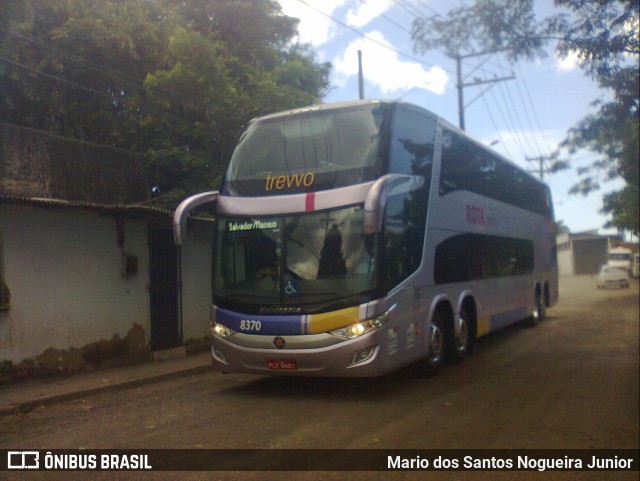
<point x="365" y="356"/>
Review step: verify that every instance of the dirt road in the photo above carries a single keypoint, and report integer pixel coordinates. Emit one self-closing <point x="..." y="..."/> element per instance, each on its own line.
<point x="572" y="382"/>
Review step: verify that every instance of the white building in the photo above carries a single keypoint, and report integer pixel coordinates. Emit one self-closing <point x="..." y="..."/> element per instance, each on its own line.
<point x="583" y="253"/>
<point x="93" y="283"/>
<point x="89" y="274"/>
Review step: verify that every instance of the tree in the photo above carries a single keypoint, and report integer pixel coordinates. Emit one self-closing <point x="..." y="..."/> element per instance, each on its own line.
<point x="612" y="132"/>
<point x="171" y="79"/>
<point x="561" y="227"/>
<point x="75" y="68"/>
<point x="231" y="60"/>
<point x="604" y="36"/>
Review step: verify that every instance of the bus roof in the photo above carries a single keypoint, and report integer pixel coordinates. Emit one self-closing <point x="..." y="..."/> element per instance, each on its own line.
<point x="354" y="103"/>
<point x="313" y="108"/>
<point x="337" y="105"/>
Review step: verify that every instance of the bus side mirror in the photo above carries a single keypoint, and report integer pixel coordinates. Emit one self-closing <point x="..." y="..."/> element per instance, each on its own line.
<point x="377" y="196"/>
<point x="183" y="209"/>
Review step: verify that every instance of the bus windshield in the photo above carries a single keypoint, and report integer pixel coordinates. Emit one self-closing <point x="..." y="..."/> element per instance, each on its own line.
<point x="309" y="150"/>
<point x="304" y="263"/>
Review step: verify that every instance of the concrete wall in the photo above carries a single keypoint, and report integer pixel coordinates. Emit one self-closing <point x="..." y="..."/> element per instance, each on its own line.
<point x="581" y="255"/>
<point x="64" y="269"/>
<point x="34" y="163"/>
<point x="565" y="254"/>
<point x="589" y="255"/>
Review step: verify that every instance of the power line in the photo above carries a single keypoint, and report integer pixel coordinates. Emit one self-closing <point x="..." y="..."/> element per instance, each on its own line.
<point x="541" y="159"/>
<point x="461" y="85"/>
<point x="536" y="147"/>
<point x="113" y="98"/>
<point x="480" y="64"/>
<point x="428" y="7"/>
<point x="514" y="117"/>
<point x="528" y="118"/>
<point x="127" y="79"/>
<point x="365" y="36"/>
<point x="54" y="135"/>
<point x="533" y="109"/>
<point x="560" y="176"/>
<point x="116" y="74"/>
<point x="495" y="126"/>
<point x="584" y="202"/>
<point x="390" y="20"/>
<point x="56" y="78"/>
<point x="408" y="8"/>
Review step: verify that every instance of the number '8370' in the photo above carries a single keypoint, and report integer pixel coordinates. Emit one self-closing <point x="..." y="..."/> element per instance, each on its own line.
<point x="250" y="325"/>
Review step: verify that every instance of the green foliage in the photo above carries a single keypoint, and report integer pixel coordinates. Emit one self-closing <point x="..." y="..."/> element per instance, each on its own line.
<point x="175" y="80"/>
<point x="613" y="133"/>
<point x="487" y="25"/>
<point x="561" y="228"/>
<point x="601" y="33"/>
<point x="73" y="68"/>
<point x="604" y="37"/>
<point x="623" y="206"/>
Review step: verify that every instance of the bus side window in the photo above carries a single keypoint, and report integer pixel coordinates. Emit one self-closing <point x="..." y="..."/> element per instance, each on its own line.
<point x="404" y="228"/>
<point x="452" y="163"/>
<point x="412" y="143"/>
<point x="466" y="165"/>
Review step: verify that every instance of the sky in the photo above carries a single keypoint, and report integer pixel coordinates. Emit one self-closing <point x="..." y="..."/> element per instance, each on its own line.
<point x="523" y="118"/>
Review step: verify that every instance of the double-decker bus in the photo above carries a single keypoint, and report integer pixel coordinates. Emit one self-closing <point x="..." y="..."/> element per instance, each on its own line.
<point x="356" y="238"/>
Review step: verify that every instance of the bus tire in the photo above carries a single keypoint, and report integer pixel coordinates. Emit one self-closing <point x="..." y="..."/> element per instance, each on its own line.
<point x="539" y="310"/>
<point x="460" y="338"/>
<point x="435" y="356"/>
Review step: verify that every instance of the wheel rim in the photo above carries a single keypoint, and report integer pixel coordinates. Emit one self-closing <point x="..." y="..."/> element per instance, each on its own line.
<point x="461" y="335"/>
<point x="537" y="311"/>
<point x="436" y="344"/>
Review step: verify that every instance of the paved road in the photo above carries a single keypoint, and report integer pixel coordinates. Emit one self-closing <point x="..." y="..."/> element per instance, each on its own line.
<point x="573" y="382"/>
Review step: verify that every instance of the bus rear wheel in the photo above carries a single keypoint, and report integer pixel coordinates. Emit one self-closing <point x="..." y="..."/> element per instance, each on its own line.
<point x="539" y="310"/>
<point x="435" y="357"/>
<point x="460" y="340"/>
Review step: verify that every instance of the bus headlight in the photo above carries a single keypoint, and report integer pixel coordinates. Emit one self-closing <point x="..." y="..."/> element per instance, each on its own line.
<point x="363" y="327"/>
<point x="221" y="330"/>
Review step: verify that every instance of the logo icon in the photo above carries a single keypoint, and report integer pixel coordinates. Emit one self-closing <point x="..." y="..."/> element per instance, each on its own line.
<point x="23" y="460"/>
<point x="279" y="342"/>
<point x="290" y="287"/>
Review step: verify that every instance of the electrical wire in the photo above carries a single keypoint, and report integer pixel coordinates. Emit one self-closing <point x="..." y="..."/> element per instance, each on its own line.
<point x="390" y="20"/>
<point x="367" y="37"/>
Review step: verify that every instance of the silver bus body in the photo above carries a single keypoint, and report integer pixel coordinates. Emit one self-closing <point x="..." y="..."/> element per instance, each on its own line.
<point x="485" y="262"/>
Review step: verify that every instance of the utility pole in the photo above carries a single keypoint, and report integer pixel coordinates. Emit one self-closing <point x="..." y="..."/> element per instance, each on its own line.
<point x="360" y="76"/>
<point x="542" y="170"/>
<point x="460" y="94"/>
<point x="460" y="86"/>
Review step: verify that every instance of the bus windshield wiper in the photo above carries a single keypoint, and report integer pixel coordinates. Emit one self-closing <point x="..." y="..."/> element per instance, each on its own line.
<point x="247" y="295"/>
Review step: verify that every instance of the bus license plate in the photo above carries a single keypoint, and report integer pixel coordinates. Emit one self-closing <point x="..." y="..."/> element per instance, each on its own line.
<point x="282" y="364"/>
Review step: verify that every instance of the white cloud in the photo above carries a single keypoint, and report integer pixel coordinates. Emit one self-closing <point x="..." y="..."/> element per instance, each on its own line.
<point x="383" y="68"/>
<point x="365" y="12"/>
<point x="568" y="63"/>
<point x="314" y="28"/>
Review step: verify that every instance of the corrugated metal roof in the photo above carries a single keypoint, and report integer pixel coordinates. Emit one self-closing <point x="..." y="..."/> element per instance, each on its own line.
<point x="112" y="208"/>
<point x="81" y="204"/>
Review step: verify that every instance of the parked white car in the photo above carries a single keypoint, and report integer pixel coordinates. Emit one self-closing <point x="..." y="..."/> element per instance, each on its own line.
<point x="612" y="277"/>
